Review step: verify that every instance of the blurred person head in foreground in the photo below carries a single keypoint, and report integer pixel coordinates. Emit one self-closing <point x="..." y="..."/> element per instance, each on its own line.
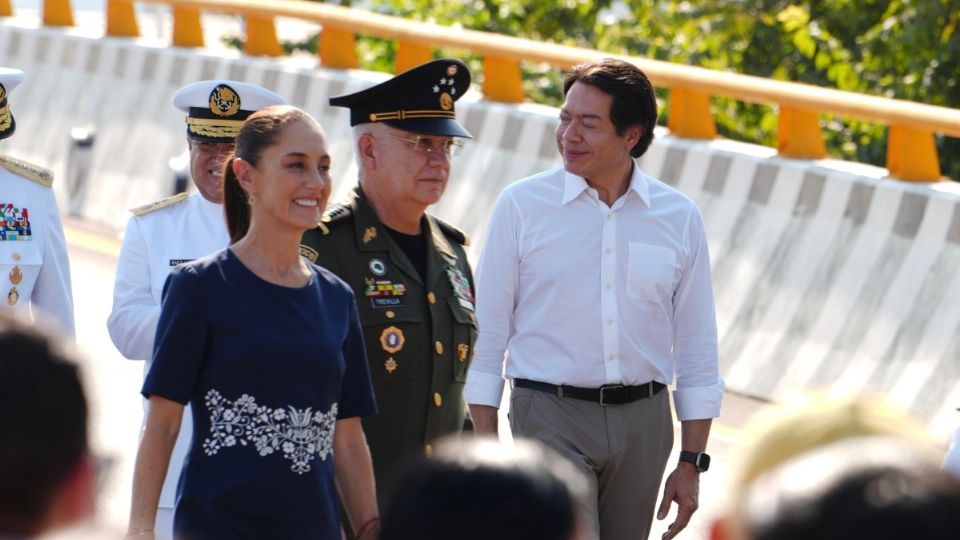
<point x="878" y="487"/>
<point x="46" y="471"/>
<point x="480" y="488"/>
<point x="782" y="464"/>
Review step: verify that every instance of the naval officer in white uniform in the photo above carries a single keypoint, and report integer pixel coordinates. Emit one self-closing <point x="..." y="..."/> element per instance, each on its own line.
<point x="34" y="269"/>
<point x="178" y="229"/>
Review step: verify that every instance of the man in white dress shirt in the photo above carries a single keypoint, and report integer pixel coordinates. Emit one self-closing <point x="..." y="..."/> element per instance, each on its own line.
<point x="596" y="279"/>
<point x="34" y="268"/>
<point x="179" y="229"/>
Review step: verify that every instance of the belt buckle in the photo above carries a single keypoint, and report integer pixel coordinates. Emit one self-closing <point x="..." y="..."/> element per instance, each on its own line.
<point x="603" y="393"/>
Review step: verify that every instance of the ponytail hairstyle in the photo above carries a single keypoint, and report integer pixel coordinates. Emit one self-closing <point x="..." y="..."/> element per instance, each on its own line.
<point x="258" y="132"/>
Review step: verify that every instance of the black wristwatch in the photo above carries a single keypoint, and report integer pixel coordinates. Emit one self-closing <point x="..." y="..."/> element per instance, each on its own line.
<point x="700" y="460"/>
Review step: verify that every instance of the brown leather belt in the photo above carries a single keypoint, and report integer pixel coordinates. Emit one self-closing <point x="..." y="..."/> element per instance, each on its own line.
<point x="608" y="394"/>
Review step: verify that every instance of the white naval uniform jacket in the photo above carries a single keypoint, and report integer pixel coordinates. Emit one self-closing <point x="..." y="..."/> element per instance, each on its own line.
<point x="34" y="268"/>
<point x="159" y="237"/>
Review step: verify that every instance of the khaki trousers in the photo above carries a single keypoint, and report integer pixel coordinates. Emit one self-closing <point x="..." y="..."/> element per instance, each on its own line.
<point x="621" y="449"/>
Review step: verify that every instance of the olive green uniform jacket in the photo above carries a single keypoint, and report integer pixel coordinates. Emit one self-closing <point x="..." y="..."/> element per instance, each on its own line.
<point x="419" y="335"/>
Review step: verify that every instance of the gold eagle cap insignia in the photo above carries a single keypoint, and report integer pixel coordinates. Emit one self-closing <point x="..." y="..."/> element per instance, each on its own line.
<point x="224" y="101"/>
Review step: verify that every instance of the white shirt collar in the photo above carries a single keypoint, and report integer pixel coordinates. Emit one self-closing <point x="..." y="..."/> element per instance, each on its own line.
<point x="574" y="185"/>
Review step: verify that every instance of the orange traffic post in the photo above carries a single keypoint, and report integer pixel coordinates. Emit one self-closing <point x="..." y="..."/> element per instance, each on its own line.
<point x="912" y="155"/>
<point x="799" y="134"/>
<point x="501" y="80"/>
<point x="57" y="13"/>
<point x="262" y="37"/>
<point x="411" y="55"/>
<point x="690" y="115"/>
<point x="6" y="8"/>
<point x="187" y="30"/>
<point x="122" y="19"/>
<point x="338" y="48"/>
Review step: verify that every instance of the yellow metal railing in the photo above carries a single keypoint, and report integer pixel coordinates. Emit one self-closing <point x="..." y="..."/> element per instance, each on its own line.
<point x="911" y="150"/>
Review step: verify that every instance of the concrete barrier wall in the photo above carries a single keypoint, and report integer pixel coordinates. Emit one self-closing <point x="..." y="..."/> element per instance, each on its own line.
<point x="826" y="274"/>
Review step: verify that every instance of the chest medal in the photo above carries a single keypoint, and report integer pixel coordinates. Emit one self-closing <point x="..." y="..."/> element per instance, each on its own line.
<point x="461" y="287"/>
<point x="14" y="223"/>
<point x="16" y="275"/>
<point x="384" y="293"/>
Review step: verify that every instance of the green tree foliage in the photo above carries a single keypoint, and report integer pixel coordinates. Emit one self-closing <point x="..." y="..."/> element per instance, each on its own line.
<point x="906" y="49"/>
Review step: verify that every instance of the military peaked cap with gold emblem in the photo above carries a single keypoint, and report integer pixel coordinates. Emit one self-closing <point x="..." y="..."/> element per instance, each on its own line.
<point x="9" y="79"/>
<point x="419" y="100"/>
<point x="216" y="109"/>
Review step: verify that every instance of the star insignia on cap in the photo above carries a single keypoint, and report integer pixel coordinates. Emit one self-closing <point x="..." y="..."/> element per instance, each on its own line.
<point x="453" y="90"/>
<point x="436" y="89"/>
<point x="443" y="81"/>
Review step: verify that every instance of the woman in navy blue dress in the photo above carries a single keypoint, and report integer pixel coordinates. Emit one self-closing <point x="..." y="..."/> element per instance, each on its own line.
<point x="269" y="351"/>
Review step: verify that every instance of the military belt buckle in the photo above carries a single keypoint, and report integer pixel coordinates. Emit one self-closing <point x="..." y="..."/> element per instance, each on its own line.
<point x="613" y="389"/>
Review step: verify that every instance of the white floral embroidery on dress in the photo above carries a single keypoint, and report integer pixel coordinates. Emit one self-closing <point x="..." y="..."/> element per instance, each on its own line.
<point x="300" y="434"/>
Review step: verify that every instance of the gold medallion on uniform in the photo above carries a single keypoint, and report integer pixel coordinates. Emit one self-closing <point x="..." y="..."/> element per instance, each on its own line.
<point x="390" y="365"/>
<point x="391" y="339"/>
<point x="16" y="275"/>
<point x="13" y="296"/>
<point x="463" y="350"/>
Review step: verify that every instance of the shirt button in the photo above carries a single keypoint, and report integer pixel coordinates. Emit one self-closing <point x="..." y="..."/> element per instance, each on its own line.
<point x="609" y="251"/>
<point x="390" y="314"/>
<point x="437" y="400"/>
<point x="609" y="286"/>
<point x="609" y="321"/>
<point x="609" y="216"/>
<point x="16" y="256"/>
<point x="437" y="346"/>
<point x="612" y="357"/>
<point x="432" y="298"/>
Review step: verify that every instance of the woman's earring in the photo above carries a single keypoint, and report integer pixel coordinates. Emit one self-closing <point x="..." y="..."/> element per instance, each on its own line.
<point x="250" y="200"/>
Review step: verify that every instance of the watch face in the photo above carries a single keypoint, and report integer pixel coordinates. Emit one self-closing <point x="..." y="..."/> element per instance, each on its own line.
<point x="700" y="460"/>
<point x="703" y="462"/>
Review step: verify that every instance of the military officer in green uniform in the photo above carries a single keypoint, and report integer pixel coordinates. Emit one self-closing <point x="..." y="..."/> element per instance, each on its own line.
<point x="411" y="277"/>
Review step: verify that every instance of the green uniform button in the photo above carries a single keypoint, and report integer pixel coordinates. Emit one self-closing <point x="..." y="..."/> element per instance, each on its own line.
<point x="438" y="347"/>
<point x="390" y="314"/>
<point x="437" y="400"/>
<point x="432" y="298"/>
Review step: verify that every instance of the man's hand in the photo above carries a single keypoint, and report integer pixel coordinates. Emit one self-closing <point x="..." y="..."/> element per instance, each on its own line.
<point x="484" y="419"/>
<point x="683" y="486"/>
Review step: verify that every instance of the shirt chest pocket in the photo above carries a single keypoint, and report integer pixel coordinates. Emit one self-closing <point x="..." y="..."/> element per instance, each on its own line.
<point x="396" y="346"/>
<point x="20" y="264"/>
<point x="652" y="272"/>
<point x="464" y="338"/>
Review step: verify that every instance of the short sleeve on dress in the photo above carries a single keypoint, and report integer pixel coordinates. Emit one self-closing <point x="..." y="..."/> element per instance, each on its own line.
<point x="356" y="388"/>
<point x="181" y="338"/>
